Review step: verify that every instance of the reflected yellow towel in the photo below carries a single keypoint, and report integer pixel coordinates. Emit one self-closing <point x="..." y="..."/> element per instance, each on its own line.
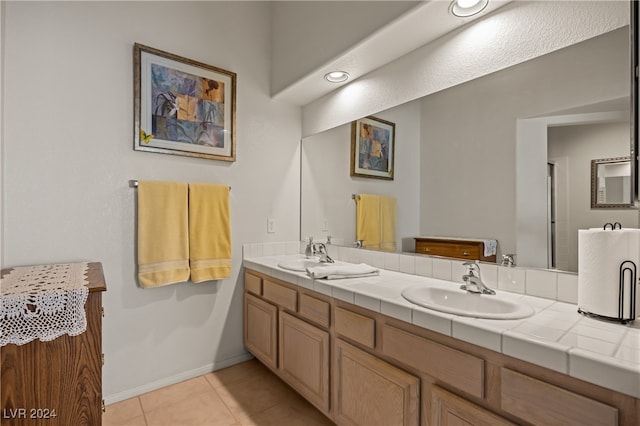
<point x="376" y="221"/>
<point x="388" y="223"/>
<point x="163" y="246"/>
<point x="368" y="220"/>
<point x="209" y="232"/>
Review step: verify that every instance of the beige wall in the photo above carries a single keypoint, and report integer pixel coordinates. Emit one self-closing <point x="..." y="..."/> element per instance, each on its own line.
<point x="68" y="157"/>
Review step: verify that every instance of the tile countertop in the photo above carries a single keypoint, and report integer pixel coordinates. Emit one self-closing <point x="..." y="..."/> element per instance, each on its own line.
<point x="556" y="336"/>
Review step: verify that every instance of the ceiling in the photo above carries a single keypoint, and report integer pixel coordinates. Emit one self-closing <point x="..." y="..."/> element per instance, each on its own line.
<point x="421" y="24"/>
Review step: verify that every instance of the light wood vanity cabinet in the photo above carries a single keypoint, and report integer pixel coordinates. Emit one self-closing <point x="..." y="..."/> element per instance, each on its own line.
<point x="454" y="247"/>
<point x="363" y="368"/>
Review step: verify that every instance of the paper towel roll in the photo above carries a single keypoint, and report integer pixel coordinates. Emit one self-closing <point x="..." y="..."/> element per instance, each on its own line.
<point x="600" y="254"/>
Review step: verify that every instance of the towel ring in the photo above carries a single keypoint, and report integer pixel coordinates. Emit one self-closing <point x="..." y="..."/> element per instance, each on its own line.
<point x="608" y="224"/>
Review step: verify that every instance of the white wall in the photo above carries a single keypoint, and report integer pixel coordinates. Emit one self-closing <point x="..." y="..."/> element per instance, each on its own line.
<point x="327" y="186"/>
<point x="580" y="145"/>
<point x="68" y="124"/>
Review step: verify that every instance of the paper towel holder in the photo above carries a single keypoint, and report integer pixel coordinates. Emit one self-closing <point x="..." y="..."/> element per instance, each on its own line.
<point x="614" y="226"/>
<point x="627" y="268"/>
<point x="631" y="268"/>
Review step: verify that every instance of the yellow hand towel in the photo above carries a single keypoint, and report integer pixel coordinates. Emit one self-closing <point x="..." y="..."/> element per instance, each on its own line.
<point x="209" y="232"/>
<point x="163" y="247"/>
<point x="368" y="220"/>
<point x="388" y="207"/>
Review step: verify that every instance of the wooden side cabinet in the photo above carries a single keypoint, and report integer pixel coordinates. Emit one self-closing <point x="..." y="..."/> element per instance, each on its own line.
<point x="453" y="247"/>
<point x="370" y="391"/>
<point x="57" y="383"/>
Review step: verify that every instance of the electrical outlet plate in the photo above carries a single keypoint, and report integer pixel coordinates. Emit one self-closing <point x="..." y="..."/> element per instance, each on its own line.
<point x="271" y="225"/>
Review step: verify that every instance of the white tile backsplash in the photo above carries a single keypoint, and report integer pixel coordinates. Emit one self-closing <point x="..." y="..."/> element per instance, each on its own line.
<point x="541" y="283"/>
<point x="536" y="282"/>
<point x="442" y="268"/>
<point x="511" y="279"/>
<point x="407" y="264"/>
<point x="392" y="262"/>
<point x="568" y="287"/>
<point x="424" y="266"/>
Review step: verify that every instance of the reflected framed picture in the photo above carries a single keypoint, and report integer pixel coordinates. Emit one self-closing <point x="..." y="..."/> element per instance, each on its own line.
<point x="372" y="148"/>
<point x="183" y="107"/>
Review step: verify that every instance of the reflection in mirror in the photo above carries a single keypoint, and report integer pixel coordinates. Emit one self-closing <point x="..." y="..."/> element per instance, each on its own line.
<point x="473" y="161"/>
<point x="611" y="183"/>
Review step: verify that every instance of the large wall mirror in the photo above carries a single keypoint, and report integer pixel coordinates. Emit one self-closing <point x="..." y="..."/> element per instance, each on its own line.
<point x="506" y="156"/>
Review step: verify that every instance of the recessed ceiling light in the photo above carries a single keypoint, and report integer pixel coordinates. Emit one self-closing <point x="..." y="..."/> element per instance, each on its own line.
<point x="464" y="8"/>
<point x="336" y="76"/>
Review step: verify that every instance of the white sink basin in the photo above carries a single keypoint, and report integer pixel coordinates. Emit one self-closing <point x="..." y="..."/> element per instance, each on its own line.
<point x="460" y="302"/>
<point x="299" y="265"/>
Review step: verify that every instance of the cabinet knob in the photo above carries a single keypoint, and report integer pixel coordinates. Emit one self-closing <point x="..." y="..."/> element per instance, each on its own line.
<point x="102" y="310"/>
<point x="102" y="357"/>
<point x="465" y="253"/>
<point x="104" y="408"/>
<point x="427" y="249"/>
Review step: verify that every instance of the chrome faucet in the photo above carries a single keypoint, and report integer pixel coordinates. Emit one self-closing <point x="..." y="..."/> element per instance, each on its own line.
<point x="318" y="249"/>
<point x="472" y="282"/>
<point x="508" y="259"/>
<point x="321" y="251"/>
<point x="308" y="251"/>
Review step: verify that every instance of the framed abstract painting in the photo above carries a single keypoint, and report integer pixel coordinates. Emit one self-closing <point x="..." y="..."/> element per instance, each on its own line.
<point x="372" y="148"/>
<point x="183" y="107"/>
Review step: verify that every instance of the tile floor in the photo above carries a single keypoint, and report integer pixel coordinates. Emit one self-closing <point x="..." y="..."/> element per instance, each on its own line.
<point x="244" y="394"/>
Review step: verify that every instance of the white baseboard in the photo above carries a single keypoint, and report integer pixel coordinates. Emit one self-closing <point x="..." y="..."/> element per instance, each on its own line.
<point x="130" y="393"/>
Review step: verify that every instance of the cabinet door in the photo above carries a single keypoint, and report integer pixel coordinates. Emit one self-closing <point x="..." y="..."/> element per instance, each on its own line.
<point x="448" y="409"/>
<point x="369" y="391"/>
<point x="304" y="359"/>
<point x="260" y="329"/>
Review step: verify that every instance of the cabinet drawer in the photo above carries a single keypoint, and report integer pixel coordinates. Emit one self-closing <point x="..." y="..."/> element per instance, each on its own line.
<point x="315" y="310"/>
<point x="523" y="396"/>
<point x="280" y="295"/>
<point x="253" y="284"/>
<point x="460" y="251"/>
<point x="356" y="327"/>
<point x="458" y="369"/>
<point x="450" y="409"/>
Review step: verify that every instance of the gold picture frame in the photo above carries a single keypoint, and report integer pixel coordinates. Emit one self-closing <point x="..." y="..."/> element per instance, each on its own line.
<point x="373" y="148"/>
<point x="183" y="107"/>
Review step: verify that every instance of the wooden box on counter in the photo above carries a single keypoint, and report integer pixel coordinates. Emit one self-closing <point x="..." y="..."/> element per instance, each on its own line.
<point x="459" y="248"/>
<point x="57" y="382"/>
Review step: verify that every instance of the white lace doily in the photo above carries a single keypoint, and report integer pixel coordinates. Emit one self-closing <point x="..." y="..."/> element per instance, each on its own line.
<point x="43" y="302"/>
